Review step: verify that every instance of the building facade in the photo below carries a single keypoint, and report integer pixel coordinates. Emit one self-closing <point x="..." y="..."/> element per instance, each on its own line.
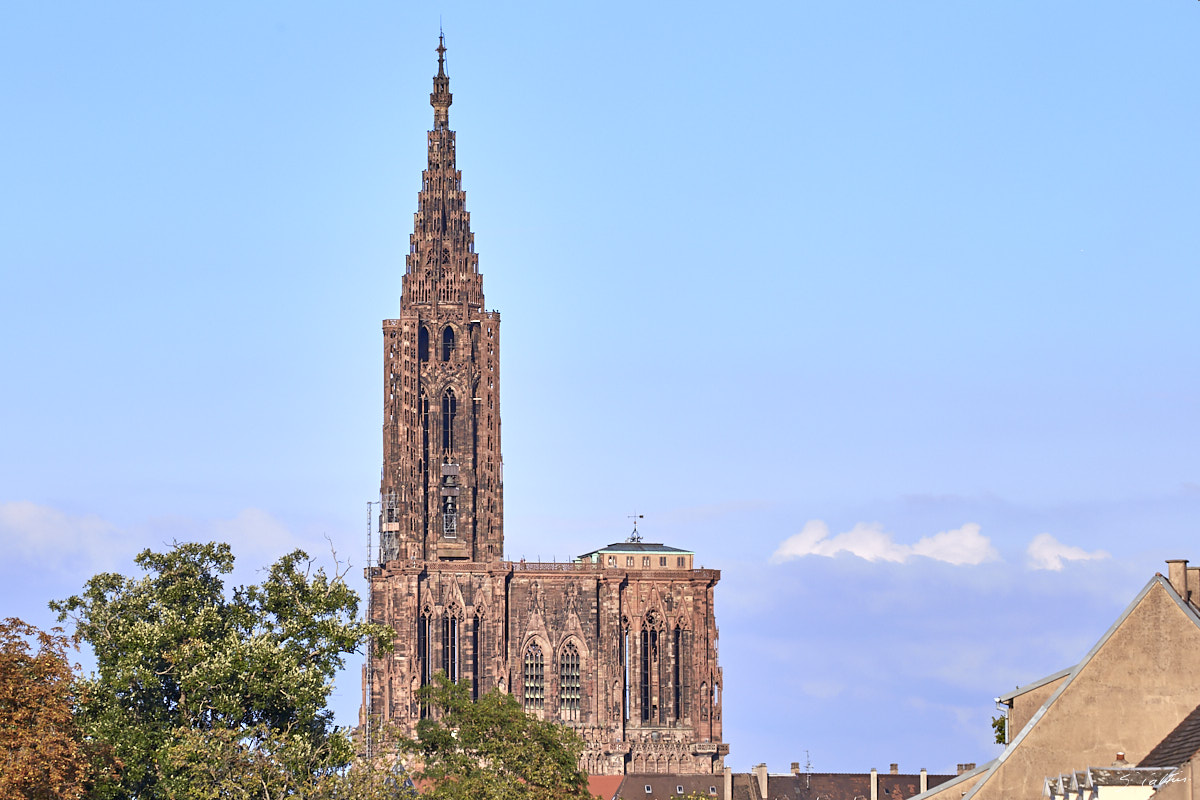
<point x="620" y="644"/>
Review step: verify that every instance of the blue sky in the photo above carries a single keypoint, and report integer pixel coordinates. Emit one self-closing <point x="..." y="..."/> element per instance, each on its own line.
<point x="886" y="310"/>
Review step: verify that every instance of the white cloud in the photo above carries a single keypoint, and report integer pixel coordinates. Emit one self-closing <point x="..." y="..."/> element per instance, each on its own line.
<point x="87" y="544"/>
<point x="1046" y="552"/>
<point x="50" y="537"/>
<point x="965" y="545"/>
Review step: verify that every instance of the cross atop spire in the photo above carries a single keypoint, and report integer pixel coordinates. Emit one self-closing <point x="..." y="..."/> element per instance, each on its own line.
<point x="441" y="98"/>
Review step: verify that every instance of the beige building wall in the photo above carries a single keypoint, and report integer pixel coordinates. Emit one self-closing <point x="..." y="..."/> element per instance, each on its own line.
<point x="1026" y="704"/>
<point x="1126" y="695"/>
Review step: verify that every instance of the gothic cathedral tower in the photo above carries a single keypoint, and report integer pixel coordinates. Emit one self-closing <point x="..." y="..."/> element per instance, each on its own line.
<point x="442" y="489"/>
<point x="619" y="644"/>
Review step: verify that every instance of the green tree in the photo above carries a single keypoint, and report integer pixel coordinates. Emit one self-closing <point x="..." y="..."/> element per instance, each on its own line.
<point x="490" y="749"/>
<point x="43" y="753"/>
<point x="1000" y="728"/>
<point x="183" y="666"/>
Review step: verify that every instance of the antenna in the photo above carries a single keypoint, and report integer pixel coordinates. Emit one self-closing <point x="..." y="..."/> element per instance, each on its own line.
<point x="635" y="536"/>
<point x="807" y="770"/>
<point x="370" y="618"/>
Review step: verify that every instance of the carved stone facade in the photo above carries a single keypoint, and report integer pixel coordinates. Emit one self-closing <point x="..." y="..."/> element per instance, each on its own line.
<point x="620" y="644"/>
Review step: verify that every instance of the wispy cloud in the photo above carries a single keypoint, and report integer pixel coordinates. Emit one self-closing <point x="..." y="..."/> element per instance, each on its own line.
<point x="85" y="544"/>
<point x="53" y="538"/>
<point x="1046" y="552"/>
<point x="868" y="540"/>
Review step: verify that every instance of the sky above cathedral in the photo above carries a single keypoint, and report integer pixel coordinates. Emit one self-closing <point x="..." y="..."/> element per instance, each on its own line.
<point x="886" y="310"/>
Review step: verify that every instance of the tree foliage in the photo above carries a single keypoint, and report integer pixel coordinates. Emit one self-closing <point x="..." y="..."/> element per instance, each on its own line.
<point x="185" y="669"/>
<point x="43" y="753"/>
<point x="491" y="749"/>
<point x="1000" y="728"/>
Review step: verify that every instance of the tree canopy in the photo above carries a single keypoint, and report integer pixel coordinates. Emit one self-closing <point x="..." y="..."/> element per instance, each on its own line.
<point x="491" y="749"/>
<point x="192" y="679"/>
<point x="43" y="753"/>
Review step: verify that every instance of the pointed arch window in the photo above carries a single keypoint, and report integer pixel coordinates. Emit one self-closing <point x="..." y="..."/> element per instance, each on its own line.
<point x="535" y="678"/>
<point x="423" y="344"/>
<point x="476" y="655"/>
<point x="450" y="654"/>
<point x="447" y="343"/>
<point x="569" y="683"/>
<point x="423" y="413"/>
<point x="449" y="411"/>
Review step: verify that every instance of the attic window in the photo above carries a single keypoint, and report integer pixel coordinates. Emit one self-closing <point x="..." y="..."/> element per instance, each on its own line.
<point x="629" y="561"/>
<point x="679" y="789"/>
<point x="645" y="561"/>
<point x="662" y="561"/>
<point x="612" y="561"/>
<point x="647" y="788"/>
<point x="712" y="790"/>
<point x="680" y="562"/>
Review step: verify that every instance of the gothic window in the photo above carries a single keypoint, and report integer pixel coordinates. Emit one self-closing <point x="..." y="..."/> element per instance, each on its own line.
<point x="677" y="673"/>
<point x="424" y="655"/>
<point x="535" y="678"/>
<point x="449" y="410"/>
<point x="476" y="656"/>
<point x="624" y="647"/>
<point x="423" y="344"/>
<point x="450" y="654"/>
<point x="450" y="516"/>
<point x="423" y="413"/>
<point x="569" y="683"/>
<point x="447" y="343"/>
<point x="646" y="635"/>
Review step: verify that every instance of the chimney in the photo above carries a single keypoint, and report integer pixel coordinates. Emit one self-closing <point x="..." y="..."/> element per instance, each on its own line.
<point x="1121" y="762"/>
<point x="1177" y="574"/>
<point x="894" y="768"/>
<point x="966" y="767"/>
<point x="728" y="784"/>
<point x="924" y="780"/>
<point x="795" y="767"/>
<point x="760" y="772"/>
<point x="874" y="784"/>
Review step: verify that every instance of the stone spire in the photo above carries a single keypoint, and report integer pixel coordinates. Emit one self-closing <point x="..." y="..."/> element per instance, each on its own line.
<point x="440" y="98"/>
<point x="442" y="265"/>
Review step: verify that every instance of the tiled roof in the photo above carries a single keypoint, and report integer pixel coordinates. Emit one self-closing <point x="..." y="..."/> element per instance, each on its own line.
<point x="832" y="786"/>
<point x="605" y="787"/>
<point x="1177" y="746"/>
<point x="664" y="787"/>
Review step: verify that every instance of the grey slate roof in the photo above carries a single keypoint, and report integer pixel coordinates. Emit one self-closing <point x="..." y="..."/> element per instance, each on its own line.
<point x="638" y="547"/>
<point x="1177" y="746"/>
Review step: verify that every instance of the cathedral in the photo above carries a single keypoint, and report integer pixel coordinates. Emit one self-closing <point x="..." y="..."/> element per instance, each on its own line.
<point x="619" y="644"/>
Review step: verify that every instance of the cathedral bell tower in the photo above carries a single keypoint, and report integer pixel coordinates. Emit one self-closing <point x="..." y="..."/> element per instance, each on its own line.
<point x="442" y="490"/>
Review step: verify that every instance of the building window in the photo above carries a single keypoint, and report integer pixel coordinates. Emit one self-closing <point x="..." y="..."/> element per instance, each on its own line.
<point x="476" y="656"/>
<point x="612" y="561"/>
<point x="423" y="344"/>
<point x="649" y="642"/>
<point x="681" y="562"/>
<point x="450" y="516"/>
<point x="535" y="678"/>
<point x="629" y="561"/>
<point x="662" y="561"/>
<point x="447" y="343"/>
<point x="449" y="411"/>
<point x="569" y="683"/>
<point x="450" y="646"/>
<point x="646" y="561"/>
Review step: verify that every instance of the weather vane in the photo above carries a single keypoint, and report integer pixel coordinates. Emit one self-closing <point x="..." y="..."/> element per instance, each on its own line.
<point x="635" y="536"/>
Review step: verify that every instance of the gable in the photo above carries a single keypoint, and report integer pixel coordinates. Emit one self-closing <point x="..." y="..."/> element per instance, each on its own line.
<point x="1131" y="689"/>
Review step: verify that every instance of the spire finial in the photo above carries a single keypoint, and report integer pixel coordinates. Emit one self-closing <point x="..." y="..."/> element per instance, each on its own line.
<point x="441" y="98"/>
